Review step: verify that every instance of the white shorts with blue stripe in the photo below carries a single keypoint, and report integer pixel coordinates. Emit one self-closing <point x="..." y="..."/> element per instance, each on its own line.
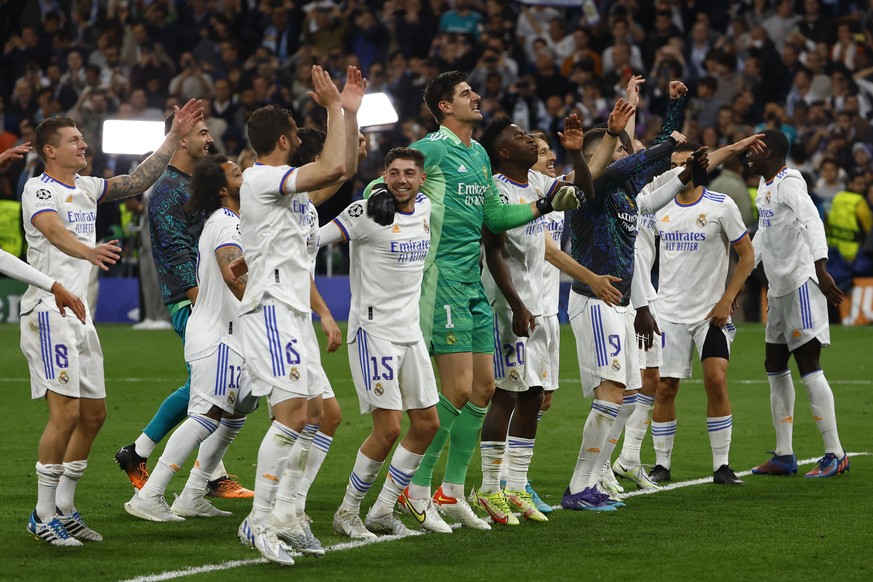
<point x="520" y="363"/>
<point x="680" y="340"/>
<point x="798" y="317"/>
<point x="605" y="343"/>
<point x="277" y="348"/>
<point x="64" y="355"/>
<point x="221" y="379"/>
<point x="391" y="376"/>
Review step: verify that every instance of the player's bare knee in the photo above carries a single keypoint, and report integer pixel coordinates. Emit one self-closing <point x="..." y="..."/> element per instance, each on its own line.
<point x="667" y="390"/>
<point x="425" y="426"/>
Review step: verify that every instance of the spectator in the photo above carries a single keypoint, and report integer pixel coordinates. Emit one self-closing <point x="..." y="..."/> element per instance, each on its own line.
<point x="780" y="26"/>
<point x="849" y="220"/>
<point x="461" y="20"/>
<point x="830" y="182"/>
<point x="191" y="82"/>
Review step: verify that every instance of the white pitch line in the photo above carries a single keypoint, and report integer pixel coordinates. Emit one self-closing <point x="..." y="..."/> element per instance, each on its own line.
<point x="704" y="480"/>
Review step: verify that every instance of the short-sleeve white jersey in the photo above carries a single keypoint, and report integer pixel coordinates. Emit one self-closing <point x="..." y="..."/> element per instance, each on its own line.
<point x="76" y="207"/>
<point x="387" y="265"/>
<point x="274" y="226"/>
<point x="694" y="254"/>
<point x="525" y="247"/>
<point x="214" y="317"/>
<point x="312" y="239"/>
<point x="790" y="235"/>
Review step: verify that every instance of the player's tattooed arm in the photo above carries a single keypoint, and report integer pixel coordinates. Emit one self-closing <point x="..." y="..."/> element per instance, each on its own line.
<point x="225" y="256"/>
<point x="150" y="170"/>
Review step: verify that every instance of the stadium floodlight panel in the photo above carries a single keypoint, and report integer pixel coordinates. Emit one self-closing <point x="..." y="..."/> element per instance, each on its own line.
<point x="376" y="109"/>
<point x="125" y="136"/>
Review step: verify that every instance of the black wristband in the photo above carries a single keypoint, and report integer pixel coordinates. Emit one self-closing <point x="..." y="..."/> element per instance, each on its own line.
<point x="544" y="205"/>
<point x="613" y="134"/>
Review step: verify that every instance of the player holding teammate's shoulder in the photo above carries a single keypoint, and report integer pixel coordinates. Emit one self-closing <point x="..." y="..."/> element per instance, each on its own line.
<point x="66" y="361"/>
<point x="791" y="242"/>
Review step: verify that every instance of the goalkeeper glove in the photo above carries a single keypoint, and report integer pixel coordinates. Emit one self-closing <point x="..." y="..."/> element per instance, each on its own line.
<point x="564" y="198"/>
<point x="380" y="205"/>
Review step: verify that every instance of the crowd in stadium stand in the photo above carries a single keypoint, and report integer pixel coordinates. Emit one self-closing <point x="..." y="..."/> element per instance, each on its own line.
<point x="805" y="67"/>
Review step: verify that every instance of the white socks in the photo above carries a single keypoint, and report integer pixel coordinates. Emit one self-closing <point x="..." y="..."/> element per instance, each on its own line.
<point x="628" y="405"/>
<point x="782" y="410"/>
<point x="360" y="480"/>
<point x="403" y="466"/>
<point x="272" y="459"/>
<point x="180" y="445"/>
<point x="492" y="465"/>
<point x="520" y="452"/>
<point x="663" y="435"/>
<point x="47" y="478"/>
<point x="720" y="429"/>
<point x="594" y="435"/>
<point x="320" y="447"/>
<point x="635" y="431"/>
<point x="209" y="457"/>
<point x="821" y="400"/>
<point x="144" y="446"/>
<point x="285" y="507"/>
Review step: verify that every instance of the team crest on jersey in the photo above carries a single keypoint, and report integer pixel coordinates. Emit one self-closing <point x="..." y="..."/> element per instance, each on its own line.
<point x="231" y="398"/>
<point x="504" y="197"/>
<point x="43" y="194"/>
<point x="450" y="339"/>
<point x="378" y="390"/>
<point x="616" y="366"/>
<point x="63" y="378"/>
<point x="426" y="225"/>
<point x="513" y="375"/>
<point x="356" y="210"/>
<point x="701" y="220"/>
<point x="767" y="197"/>
<point x="294" y="374"/>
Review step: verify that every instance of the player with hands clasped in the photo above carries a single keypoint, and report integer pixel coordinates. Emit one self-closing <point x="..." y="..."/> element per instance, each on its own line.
<point x="603" y="232"/>
<point x="64" y="354"/>
<point x="275" y="312"/>
<point x="791" y="243"/>
<point x="694" y="307"/>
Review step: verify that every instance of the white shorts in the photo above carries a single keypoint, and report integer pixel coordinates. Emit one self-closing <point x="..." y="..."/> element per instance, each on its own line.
<point x="680" y="339"/>
<point x="64" y="355"/>
<point x="519" y="362"/>
<point x="278" y="351"/>
<point x="391" y="376"/>
<point x="798" y="317"/>
<point x="653" y="358"/>
<point x="605" y="343"/>
<point x="552" y="327"/>
<point x="317" y="377"/>
<point x="221" y="379"/>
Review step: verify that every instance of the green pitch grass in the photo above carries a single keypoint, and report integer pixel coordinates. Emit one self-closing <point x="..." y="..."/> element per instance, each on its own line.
<point x="770" y="528"/>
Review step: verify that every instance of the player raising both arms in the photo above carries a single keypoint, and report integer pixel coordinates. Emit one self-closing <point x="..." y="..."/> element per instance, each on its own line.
<point x="275" y="310"/>
<point x="220" y="391"/>
<point x="65" y="358"/>
<point x="791" y="243"/>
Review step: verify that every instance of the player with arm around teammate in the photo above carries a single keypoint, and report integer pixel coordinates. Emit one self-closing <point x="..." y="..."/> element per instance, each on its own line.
<point x="64" y="355"/>
<point x="387" y="354"/>
<point x="791" y="242"/>
<point x="220" y="391"/>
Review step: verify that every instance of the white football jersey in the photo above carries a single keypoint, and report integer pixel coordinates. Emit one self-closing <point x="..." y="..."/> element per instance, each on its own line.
<point x="312" y="239"/>
<point x="790" y="235"/>
<point x="76" y="206"/>
<point x="387" y="265"/>
<point x="525" y="247"/>
<point x="214" y="317"/>
<point x="554" y="225"/>
<point x="644" y="248"/>
<point x="694" y="254"/>
<point x="274" y="226"/>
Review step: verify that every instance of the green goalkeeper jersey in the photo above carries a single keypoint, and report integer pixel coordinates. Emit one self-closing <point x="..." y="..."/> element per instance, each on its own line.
<point x="463" y="198"/>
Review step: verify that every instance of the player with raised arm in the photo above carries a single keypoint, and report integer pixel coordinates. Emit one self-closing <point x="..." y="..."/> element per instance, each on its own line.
<point x="513" y="283"/>
<point x="456" y="319"/>
<point x="275" y="312"/>
<point x="64" y="355"/>
<point x="791" y="243"/>
<point x="174" y="233"/>
<point x="387" y="354"/>
<point x="603" y="232"/>
<point x="694" y="305"/>
<point x="220" y="391"/>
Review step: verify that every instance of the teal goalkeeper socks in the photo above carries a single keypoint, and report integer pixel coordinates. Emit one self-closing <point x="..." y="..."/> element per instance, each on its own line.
<point x="464" y="441"/>
<point x="448" y="415"/>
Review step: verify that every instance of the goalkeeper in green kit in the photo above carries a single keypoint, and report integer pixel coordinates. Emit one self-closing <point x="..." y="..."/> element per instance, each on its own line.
<point x="456" y="318"/>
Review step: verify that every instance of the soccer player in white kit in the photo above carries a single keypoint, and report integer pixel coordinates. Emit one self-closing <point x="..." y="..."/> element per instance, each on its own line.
<point x="388" y="357"/>
<point x="791" y="243"/>
<point x="275" y="311"/>
<point x="64" y="355"/>
<point x="220" y="391"/>
<point x="694" y="306"/>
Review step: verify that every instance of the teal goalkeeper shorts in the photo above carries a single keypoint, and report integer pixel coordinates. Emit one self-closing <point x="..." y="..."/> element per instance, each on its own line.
<point x="459" y="314"/>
